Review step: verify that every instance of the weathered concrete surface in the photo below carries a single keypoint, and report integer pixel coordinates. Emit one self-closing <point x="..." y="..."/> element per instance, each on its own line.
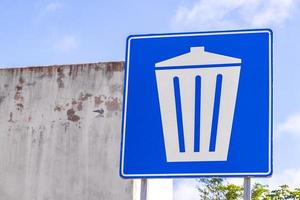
<point x="52" y="145"/>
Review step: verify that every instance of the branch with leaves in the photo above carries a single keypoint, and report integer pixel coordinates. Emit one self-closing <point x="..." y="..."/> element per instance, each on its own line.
<point x="219" y="189"/>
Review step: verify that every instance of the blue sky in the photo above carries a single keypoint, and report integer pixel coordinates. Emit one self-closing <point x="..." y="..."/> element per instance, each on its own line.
<point x="49" y="32"/>
<point x="44" y="32"/>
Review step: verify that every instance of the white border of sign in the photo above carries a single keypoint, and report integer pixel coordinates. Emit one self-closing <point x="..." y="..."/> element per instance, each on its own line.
<point x="268" y="173"/>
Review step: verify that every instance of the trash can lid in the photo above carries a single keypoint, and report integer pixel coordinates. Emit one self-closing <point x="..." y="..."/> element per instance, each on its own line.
<point x="198" y="56"/>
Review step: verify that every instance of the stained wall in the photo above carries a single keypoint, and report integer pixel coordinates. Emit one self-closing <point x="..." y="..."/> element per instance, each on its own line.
<point x="52" y="145"/>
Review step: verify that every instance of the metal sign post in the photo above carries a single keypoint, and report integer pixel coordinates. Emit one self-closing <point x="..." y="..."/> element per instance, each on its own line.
<point x="144" y="189"/>
<point x="247" y="188"/>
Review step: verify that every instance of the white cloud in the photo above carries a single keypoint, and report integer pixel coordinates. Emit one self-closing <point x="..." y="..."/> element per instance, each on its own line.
<point x="160" y="189"/>
<point x="67" y="43"/>
<point x="290" y="126"/>
<point x="236" y="181"/>
<point x="205" y="14"/>
<point x="290" y="177"/>
<point x="53" y="7"/>
<point x="46" y="10"/>
<point x="186" y="189"/>
<point x="157" y="189"/>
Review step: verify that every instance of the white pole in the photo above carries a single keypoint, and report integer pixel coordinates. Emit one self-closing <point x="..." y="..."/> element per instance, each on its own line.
<point x="144" y="189"/>
<point x="247" y="188"/>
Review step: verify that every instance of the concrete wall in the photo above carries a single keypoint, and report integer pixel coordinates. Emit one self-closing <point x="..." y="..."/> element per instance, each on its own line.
<point x="52" y="145"/>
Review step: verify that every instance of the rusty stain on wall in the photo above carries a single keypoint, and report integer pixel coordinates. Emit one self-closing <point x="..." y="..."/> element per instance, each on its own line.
<point x="72" y="116"/>
<point x="60" y="77"/>
<point x="99" y="100"/>
<point x="52" y="143"/>
<point x="84" y="97"/>
<point x="113" y="104"/>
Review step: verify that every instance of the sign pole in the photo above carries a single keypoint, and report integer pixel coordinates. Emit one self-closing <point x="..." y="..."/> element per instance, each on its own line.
<point x="144" y="189"/>
<point x="247" y="188"/>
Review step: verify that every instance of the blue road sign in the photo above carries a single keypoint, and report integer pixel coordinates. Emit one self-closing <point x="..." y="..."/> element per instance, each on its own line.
<point x="198" y="104"/>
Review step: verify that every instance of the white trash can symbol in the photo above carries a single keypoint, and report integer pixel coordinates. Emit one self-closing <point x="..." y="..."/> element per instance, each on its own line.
<point x="197" y="95"/>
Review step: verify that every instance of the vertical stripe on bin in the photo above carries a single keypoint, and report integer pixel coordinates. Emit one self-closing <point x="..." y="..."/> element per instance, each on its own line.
<point x="215" y="119"/>
<point x="197" y="114"/>
<point x="179" y="114"/>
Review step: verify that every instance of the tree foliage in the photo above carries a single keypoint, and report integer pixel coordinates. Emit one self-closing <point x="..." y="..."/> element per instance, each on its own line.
<point x="216" y="189"/>
<point x="260" y="192"/>
<point x="296" y="193"/>
<point x="232" y="192"/>
<point x="219" y="189"/>
<point x="211" y="189"/>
